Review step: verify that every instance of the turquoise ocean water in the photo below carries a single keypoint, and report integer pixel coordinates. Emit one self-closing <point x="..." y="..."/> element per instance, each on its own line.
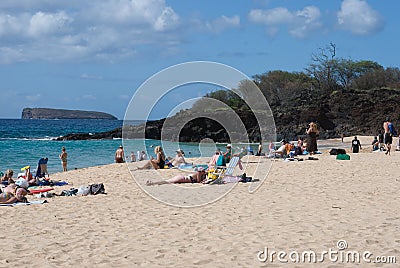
<point x="23" y="142"/>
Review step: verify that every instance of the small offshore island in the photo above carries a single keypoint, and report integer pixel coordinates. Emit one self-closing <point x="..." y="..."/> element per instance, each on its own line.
<point x="49" y="113"/>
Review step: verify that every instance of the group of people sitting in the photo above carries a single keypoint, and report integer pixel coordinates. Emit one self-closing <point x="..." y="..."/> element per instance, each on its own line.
<point x="287" y="149"/>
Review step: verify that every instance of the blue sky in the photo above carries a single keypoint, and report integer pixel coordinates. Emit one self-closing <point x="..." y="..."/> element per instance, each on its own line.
<point x="93" y="55"/>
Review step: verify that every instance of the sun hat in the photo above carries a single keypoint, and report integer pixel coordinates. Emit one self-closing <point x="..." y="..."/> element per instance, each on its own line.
<point x="179" y="151"/>
<point x="229" y="145"/>
<point x="22" y="183"/>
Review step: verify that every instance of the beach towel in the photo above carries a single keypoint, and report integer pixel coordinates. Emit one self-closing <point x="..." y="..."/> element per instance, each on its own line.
<point x="33" y="202"/>
<point x="343" y="157"/>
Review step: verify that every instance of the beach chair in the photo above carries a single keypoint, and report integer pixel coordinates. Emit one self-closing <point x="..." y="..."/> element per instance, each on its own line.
<point x="221" y="171"/>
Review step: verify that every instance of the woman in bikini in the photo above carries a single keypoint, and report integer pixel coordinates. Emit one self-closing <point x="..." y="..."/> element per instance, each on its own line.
<point x="63" y="156"/>
<point x="156" y="163"/>
<point x="198" y="177"/>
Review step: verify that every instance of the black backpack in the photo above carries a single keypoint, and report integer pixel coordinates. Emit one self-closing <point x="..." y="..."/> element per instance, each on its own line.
<point x="97" y="189"/>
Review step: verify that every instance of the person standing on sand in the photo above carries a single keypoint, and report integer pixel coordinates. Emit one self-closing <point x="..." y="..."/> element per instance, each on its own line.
<point x="389" y="133"/>
<point x="63" y="156"/>
<point x="312" y="133"/>
<point x="119" y="155"/>
<point x="260" y="148"/>
<point x="355" y="145"/>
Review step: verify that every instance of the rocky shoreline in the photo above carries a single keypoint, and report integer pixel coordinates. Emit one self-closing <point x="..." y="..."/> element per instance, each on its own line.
<point x="347" y="113"/>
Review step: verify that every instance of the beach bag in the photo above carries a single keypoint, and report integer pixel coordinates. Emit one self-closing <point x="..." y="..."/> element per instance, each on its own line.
<point x="337" y="151"/>
<point x="343" y="157"/>
<point x="97" y="189"/>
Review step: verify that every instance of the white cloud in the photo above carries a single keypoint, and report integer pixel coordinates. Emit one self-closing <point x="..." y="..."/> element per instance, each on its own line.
<point x="269" y="17"/>
<point x="167" y="20"/>
<point x="359" y="18"/>
<point x="300" y="23"/>
<point x="305" y="21"/>
<point x="35" y="97"/>
<point x="98" y="29"/>
<point x="222" y="23"/>
<point x="48" y="23"/>
<point x="94" y="77"/>
<point x="86" y="97"/>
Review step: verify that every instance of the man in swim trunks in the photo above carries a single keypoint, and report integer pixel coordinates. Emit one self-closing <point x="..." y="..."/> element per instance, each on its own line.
<point x="119" y="155"/>
<point x="388" y="135"/>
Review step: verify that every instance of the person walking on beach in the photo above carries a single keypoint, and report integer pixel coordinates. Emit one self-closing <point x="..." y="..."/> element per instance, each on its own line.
<point x="389" y="133"/>
<point x="355" y="145"/>
<point x="119" y="155"/>
<point x="63" y="156"/>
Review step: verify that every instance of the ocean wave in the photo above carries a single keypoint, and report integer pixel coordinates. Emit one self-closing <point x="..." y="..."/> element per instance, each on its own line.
<point x="30" y="139"/>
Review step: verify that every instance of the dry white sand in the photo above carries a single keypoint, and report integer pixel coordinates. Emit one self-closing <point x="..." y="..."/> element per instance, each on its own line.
<point x="301" y="206"/>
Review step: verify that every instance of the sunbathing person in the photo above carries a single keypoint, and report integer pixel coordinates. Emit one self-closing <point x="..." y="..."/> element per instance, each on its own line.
<point x="283" y="151"/>
<point x="158" y="162"/>
<point x="178" y="159"/>
<point x="28" y="175"/>
<point x="7" y="178"/>
<point x="15" y="192"/>
<point x="198" y="177"/>
<point x="18" y="196"/>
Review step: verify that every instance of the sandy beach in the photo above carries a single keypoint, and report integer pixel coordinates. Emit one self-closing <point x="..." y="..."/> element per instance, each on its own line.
<point x="301" y="206"/>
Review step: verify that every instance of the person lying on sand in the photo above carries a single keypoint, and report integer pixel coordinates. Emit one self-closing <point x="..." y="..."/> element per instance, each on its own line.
<point x="198" y="177"/>
<point x="19" y="195"/>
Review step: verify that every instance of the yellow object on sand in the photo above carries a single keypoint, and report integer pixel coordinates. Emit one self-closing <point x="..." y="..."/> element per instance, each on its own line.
<point x="25" y="168"/>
